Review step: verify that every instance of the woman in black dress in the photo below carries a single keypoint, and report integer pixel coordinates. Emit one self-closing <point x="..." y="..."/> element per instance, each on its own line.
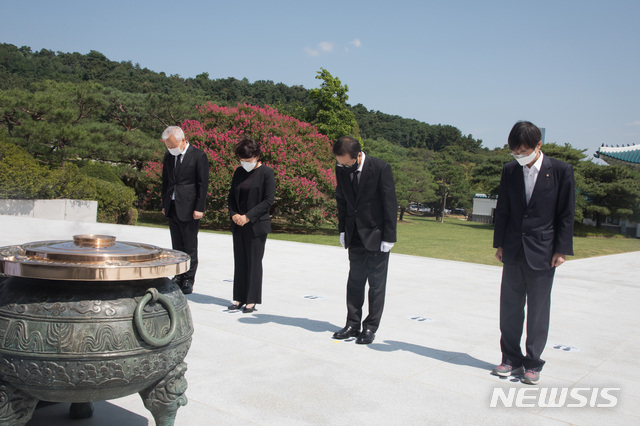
<point x="252" y="192"/>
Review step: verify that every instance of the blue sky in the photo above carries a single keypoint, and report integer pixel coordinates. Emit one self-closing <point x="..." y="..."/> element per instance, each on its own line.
<point x="572" y="67"/>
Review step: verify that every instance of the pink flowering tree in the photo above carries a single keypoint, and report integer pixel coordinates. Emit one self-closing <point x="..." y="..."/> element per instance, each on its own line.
<point x="300" y="157"/>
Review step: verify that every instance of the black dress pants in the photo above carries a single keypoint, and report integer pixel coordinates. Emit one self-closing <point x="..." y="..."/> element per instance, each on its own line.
<point x="184" y="237"/>
<point x="366" y="266"/>
<point x="522" y="285"/>
<point x="248" y="252"/>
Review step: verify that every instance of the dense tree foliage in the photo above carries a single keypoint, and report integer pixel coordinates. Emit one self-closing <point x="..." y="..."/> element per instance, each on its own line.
<point x="411" y="133"/>
<point x="20" y="174"/>
<point x="485" y="176"/>
<point x="452" y="184"/>
<point x="612" y="191"/>
<point x="413" y="179"/>
<point x="22" y="177"/>
<point x="300" y="156"/>
<point x="87" y="124"/>
<point x="330" y="112"/>
<point x="19" y="67"/>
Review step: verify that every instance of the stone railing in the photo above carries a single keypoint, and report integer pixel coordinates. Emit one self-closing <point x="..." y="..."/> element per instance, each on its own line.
<point x="63" y="209"/>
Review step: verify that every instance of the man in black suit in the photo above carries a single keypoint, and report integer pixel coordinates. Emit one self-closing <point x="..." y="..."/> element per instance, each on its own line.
<point x="367" y="216"/>
<point x="533" y="234"/>
<point x="185" y="181"/>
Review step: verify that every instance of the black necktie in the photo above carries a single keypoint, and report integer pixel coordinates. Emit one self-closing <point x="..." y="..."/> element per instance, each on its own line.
<point x="178" y="162"/>
<point x="354" y="182"/>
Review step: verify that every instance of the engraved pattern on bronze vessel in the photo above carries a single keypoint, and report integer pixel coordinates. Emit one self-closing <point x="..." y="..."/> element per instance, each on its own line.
<point x="20" y="338"/>
<point x="62" y="337"/>
<point x="68" y="338"/>
<point x="89" y="373"/>
<point x="98" y="307"/>
<point x="107" y="338"/>
<point x="164" y="398"/>
<point x="16" y="407"/>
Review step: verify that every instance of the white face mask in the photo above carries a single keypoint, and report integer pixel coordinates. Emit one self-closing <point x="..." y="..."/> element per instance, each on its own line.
<point x="248" y="166"/>
<point x="174" y="151"/>
<point x="523" y="159"/>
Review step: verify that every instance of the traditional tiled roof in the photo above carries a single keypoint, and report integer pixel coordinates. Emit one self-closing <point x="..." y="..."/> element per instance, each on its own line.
<point x="626" y="155"/>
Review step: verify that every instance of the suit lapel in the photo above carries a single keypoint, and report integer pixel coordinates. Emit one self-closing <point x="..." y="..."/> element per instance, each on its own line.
<point x="186" y="157"/>
<point x="364" y="175"/>
<point x="171" y="168"/>
<point x="518" y="177"/>
<point x="348" y="190"/>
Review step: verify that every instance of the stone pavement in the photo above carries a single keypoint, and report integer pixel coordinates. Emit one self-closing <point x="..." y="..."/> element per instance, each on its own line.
<point x="431" y="360"/>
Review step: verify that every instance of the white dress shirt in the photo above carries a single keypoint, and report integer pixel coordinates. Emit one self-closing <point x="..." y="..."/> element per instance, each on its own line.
<point x="531" y="176"/>
<point x="359" y="168"/>
<point x="175" y="163"/>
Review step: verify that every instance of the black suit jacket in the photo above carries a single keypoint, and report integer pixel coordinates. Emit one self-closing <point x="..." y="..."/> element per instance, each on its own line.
<point x="545" y="225"/>
<point x="373" y="212"/>
<point x="259" y="200"/>
<point x="190" y="183"/>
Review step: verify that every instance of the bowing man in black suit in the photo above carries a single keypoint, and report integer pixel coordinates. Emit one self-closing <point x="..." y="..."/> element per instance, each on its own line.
<point x="253" y="189"/>
<point x="367" y="216"/>
<point x="533" y="234"/>
<point x="185" y="181"/>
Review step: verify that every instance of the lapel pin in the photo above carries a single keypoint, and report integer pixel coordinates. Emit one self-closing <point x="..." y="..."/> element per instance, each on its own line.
<point x="547" y="174"/>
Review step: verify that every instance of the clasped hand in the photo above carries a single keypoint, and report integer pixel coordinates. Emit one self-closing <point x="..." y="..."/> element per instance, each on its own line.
<point x="557" y="260"/>
<point x="240" y="220"/>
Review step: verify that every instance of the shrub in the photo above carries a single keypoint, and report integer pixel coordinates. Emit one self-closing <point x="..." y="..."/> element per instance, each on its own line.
<point x="300" y="157"/>
<point x="115" y="203"/>
<point x="101" y="171"/>
<point x="20" y="175"/>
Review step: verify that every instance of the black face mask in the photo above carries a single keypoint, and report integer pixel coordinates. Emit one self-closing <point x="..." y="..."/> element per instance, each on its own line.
<point x="349" y="169"/>
<point x="353" y="168"/>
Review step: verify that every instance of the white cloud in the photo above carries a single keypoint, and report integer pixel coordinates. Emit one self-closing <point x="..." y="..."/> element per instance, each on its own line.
<point x="634" y="123"/>
<point x="325" y="46"/>
<point x="311" y="52"/>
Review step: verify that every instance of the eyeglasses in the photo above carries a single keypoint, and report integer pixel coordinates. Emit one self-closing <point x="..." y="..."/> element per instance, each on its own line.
<point x="346" y="165"/>
<point x="355" y="161"/>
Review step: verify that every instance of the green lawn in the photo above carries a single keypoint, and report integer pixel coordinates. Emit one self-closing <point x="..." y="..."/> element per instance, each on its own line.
<point x="455" y="239"/>
<point x="465" y="241"/>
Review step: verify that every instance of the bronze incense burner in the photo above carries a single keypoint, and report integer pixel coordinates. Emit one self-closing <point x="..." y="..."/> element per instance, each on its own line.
<point x="92" y="319"/>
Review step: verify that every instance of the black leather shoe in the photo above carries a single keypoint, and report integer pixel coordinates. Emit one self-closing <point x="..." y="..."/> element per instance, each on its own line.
<point x="345" y="333"/>
<point x="235" y="307"/>
<point x="247" y="310"/>
<point x="187" y="287"/>
<point x="365" y="337"/>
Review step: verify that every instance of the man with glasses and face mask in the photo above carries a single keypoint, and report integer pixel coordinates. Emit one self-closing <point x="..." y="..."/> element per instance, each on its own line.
<point x="533" y="234"/>
<point x="367" y="216"/>
<point x="185" y="181"/>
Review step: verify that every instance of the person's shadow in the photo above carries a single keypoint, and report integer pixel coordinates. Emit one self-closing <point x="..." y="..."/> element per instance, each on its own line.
<point x="450" y="357"/>
<point x="315" y="326"/>
<point x="208" y="300"/>
<point x="305" y="323"/>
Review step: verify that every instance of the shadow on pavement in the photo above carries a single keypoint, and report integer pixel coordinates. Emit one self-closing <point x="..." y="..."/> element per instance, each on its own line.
<point x="305" y="323"/>
<point x="105" y="413"/>
<point x="457" y="358"/>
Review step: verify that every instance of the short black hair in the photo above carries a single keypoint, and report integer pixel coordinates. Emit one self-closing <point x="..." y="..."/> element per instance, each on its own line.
<point x="247" y="148"/>
<point x="347" y="145"/>
<point x="524" y="133"/>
